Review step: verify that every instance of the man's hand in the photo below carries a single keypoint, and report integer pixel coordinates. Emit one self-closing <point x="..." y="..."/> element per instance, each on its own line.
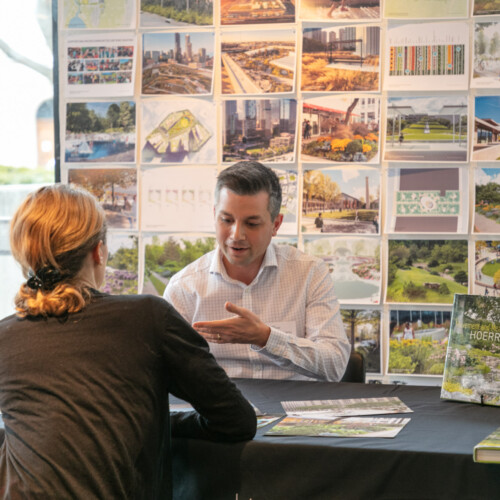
<point x="244" y="328"/>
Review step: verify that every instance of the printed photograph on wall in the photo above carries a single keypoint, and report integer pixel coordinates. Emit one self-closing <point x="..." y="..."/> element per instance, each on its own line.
<point x="257" y="11"/>
<point x="429" y="56"/>
<point x="340" y="10"/>
<point x="486" y="62"/>
<point x="486" y="143"/>
<point x="258" y="62"/>
<point x="362" y="327"/>
<point x="426" y="129"/>
<point x="427" y="200"/>
<point x="177" y="199"/>
<point x="341" y="58"/>
<point x="354" y="265"/>
<point x="167" y="254"/>
<point x="114" y="188"/>
<point x="487" y="268"/>
<point x="99" y="65"/>
<point x="341" y="201"/>
<point x="121" y="275"/>
<point x="340" y="129"/>
<point x="426" y="271"/>
<point x="176" y="13"/>
<point x="289" y="180"/>
<point x="425" y="9"/>
<point x="418" y="341"/>
<point x="486" y="7"/>
<point x="178" y="63"/>
<point x="102" y="14"/>
<point x="285" y="240"/>
<point x="179" y="131"/>
<point x="487" y="200"/>
<point x="259" y="129"/>
<point x="101" y="132"/>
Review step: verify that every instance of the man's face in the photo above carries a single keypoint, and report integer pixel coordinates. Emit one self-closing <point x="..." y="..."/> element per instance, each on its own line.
<point x="244" y="229"/>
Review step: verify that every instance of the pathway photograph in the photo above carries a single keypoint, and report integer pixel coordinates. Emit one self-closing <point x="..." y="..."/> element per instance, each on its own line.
<point x="426" y="129"/>
<point x="487" y="268"/>
<point x="418" y="341"/>
<point x="487" y="202"/>
<point x="341" y="201"/>
<point x="486" y="143"/>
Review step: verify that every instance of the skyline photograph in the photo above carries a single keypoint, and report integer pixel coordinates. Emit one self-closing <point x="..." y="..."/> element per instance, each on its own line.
<point x="340" y="58"/>
<point x="178" y="63"/>
<point x="259" y="129"/>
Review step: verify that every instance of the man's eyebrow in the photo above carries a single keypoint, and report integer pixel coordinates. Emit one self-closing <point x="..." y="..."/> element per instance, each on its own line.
<point x="227" y="214"/>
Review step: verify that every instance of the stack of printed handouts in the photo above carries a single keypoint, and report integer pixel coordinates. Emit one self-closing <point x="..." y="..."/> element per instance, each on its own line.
<point x="342" y="418"/>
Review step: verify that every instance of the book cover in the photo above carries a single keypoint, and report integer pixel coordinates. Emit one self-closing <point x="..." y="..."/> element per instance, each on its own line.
<point x="472" y="366"/>
<point x="488" y="450"/>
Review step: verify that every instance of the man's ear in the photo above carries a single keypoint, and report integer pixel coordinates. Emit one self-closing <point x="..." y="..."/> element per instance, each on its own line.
<point x="277" y="223"/>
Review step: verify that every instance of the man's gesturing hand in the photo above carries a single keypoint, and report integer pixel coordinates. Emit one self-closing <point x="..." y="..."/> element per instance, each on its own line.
<point x="244" y="328"/>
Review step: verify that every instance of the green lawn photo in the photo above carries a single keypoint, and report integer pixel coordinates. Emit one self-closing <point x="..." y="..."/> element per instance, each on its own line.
<point x="430" y="271"/>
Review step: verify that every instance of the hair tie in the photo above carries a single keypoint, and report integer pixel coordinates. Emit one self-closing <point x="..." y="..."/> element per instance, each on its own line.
<point x="45" y="279"/>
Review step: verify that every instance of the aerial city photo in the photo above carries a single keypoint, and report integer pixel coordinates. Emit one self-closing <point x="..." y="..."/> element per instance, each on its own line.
<point x="178" y="63"/>
<point x="256" y="62"/>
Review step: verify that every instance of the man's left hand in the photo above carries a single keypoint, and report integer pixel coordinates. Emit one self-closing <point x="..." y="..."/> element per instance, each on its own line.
<point x="244" y="328"/>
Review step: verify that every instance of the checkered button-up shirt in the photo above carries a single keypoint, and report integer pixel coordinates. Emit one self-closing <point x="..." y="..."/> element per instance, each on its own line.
<point x="292" y="293"/>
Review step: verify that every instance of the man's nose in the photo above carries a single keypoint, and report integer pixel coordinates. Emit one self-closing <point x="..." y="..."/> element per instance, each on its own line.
<point x="237" y="231"/>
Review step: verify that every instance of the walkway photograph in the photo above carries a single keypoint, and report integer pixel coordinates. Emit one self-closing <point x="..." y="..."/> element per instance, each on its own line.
<point x="426" y="129"/>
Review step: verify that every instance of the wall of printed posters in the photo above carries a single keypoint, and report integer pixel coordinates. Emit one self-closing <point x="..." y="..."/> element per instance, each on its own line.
<point x="381" y="119"/>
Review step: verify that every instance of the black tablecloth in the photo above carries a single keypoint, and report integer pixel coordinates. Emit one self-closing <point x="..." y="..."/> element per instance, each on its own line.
<point x="431" y="458"/>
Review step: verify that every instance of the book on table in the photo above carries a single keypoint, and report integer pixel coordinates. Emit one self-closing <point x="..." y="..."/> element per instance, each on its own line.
<point x="472" y="366"/>
<point x="488" y="450"/>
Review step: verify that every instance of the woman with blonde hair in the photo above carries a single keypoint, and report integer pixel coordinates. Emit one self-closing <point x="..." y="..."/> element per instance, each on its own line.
<point x="85" y="376"/>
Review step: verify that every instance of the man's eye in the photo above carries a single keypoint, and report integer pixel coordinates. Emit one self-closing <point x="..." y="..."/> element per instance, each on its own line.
<point x="252" y="224"/>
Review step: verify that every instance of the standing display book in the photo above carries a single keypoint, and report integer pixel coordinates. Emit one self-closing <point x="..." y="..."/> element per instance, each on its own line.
<point x="488" y="450"/>
<point x="472" y="367"/>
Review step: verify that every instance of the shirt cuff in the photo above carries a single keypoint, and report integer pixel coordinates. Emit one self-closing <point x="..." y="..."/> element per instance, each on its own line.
<point x="276" y="343"/>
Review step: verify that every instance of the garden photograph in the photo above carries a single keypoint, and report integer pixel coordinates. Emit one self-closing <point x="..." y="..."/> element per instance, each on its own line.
<point x="341" y="201"/>
<point x="362" y="327"/>
<point x="418" y="341"/>
<point x="100" y="132"/>
<point x="426" y="129"/>
<point x="121" y="275"/>
<point x="487" y="268"/>
<point x="335" y="62"/>
<point x="170" y="13"/>
<point x="165" y="255"/>
<point x="426" y="271"/>
<point x="487" y="202"/>
<point x="354" y="265"/>
<point x="115" y="190"/>
<point x="340" y="129"/>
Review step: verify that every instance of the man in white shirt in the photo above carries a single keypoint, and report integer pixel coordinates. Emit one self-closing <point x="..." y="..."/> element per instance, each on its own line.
<point x="269" y="311"/>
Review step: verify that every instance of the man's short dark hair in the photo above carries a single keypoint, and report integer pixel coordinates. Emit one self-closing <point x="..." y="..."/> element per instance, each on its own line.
<point x="249" y="178"/>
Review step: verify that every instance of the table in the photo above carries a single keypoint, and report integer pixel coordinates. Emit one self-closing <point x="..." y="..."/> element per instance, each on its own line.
<point x="431" y="457"/>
